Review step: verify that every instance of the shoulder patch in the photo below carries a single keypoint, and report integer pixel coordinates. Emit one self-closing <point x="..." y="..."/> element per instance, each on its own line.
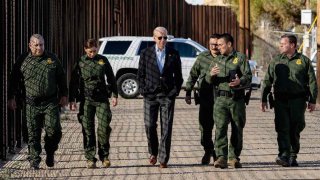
<point x="235" y="60"/>
<point x="101" y="62"/>
<point x="299" y="62"/>
<point x="49" y="61"/>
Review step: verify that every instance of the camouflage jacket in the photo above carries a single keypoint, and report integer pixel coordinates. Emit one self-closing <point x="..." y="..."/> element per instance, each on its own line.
<point x="88" y="79"/>
<point x="199" y="71"/>
<point x="293" y="75"/>
<point x="236" y="62"/>
<point x="38" y="77"/>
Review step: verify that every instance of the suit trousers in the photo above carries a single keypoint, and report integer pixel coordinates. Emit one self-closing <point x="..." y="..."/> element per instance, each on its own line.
<point x="152" y="106"/>
<point x="289" y="123"/>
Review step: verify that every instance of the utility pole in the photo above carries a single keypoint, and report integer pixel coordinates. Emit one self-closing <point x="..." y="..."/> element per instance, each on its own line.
<point x="318" y="50"/>
<point x="247" y="29"/>
<point x="306" y="37"/>
<point x="307" y="4"/>
<point x="241" y="40"/>
<point x="244" y="42"/>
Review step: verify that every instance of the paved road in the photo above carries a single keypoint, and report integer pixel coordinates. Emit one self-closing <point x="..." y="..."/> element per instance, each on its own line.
<point x="129" y="149"/>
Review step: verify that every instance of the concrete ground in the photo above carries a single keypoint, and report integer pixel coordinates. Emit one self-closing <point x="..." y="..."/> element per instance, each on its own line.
<point x="129" y="156"/>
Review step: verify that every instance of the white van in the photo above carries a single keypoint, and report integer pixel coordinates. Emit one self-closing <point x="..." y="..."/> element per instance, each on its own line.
<point x="256" y="80"/>
<point x="123" y="53"/>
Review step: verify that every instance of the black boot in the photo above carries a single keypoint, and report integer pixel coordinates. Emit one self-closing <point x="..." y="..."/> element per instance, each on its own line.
<point x="282" y="161"/>
<point x="293" y="162"/>
<point x="34" y="165"/>
<point x="206" y="157"/>
<point x="214" y="156"/>
<point x="50" y="160"/>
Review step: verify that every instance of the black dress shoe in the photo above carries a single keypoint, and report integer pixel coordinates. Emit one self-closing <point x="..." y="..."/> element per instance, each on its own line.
<point x="282" y="161"/>
<point x="293" y="162"/>
<point x="50" y="160"/>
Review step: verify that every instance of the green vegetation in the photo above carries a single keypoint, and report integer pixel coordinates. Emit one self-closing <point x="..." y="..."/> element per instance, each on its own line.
<point x="268" y="18"/>
<point x="279" y="14"/>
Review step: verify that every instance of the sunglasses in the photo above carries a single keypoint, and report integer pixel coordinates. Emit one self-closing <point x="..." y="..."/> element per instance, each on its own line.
<point x="160" y="38"/>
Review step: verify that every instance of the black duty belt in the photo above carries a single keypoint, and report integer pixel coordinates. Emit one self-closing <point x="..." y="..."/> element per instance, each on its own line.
<point x="38" y="100"/>
<point x="225" y="93"/>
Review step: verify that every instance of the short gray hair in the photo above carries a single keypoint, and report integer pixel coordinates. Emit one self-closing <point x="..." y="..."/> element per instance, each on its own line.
<point x="160" y="29"/>
<point x="36" y="36"/>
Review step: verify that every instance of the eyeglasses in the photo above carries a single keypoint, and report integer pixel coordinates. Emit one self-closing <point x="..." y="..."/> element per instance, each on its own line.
<point x="160" y="38"/>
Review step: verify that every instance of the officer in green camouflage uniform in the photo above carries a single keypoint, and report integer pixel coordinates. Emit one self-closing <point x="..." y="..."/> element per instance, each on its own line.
<point x="198" y="72"/>
<point x="231" y="74"/>
<point x="92" y="69"/>
<point x="43" y="80"/>
<point x="293" y="80"/>
<point x="79" y="97"/>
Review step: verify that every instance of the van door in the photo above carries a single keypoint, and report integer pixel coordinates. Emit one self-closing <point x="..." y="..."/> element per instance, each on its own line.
<point x="188" y="55"/>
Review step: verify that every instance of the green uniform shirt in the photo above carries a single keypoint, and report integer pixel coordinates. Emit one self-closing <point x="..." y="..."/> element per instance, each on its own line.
<point x="236" y="62"/>
<point x="293" y="75"/>
<point x="199" y="71"/>
<point x="92" y="72"/>
<point x="41" y="76"/>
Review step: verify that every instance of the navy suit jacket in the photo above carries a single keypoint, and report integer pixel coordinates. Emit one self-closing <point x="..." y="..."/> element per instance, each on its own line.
<point x="150" y="78"/>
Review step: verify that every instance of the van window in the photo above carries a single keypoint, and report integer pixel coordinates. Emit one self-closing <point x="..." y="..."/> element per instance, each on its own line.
<point x="143" y="45"/>
<point x="185" y="50"/>
<point x="116" y="47"/>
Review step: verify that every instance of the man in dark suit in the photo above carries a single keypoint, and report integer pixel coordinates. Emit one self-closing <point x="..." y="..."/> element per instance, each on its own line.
<point x="160" y="80"/>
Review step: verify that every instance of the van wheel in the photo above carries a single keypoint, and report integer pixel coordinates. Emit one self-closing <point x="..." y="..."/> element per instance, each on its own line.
<point x="128" y="86"/>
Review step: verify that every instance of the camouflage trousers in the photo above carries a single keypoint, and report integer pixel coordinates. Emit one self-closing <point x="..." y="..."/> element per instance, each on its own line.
<point x="47" y="116"/>
<point x="234" y="111"/>
<point x="103" y="113"/>
<point x="206" y="118"/>
<point x="289" y="123"/>
<point x="80" y="116"/>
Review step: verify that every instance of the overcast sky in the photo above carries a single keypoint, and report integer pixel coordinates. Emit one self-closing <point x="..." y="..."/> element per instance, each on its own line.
<point x="195" y="2"/>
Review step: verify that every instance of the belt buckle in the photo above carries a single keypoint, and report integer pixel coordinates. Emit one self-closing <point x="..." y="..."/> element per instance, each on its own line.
<point x="225" y="94"/>
<point x="222" y="93"/>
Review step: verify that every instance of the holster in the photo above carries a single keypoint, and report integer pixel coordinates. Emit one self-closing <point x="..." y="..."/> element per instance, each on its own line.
<point x="271" y="100"/>
<point x="247" y="96"/>
<point x="196" y="97"/>
<point x="239" y="94"/>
